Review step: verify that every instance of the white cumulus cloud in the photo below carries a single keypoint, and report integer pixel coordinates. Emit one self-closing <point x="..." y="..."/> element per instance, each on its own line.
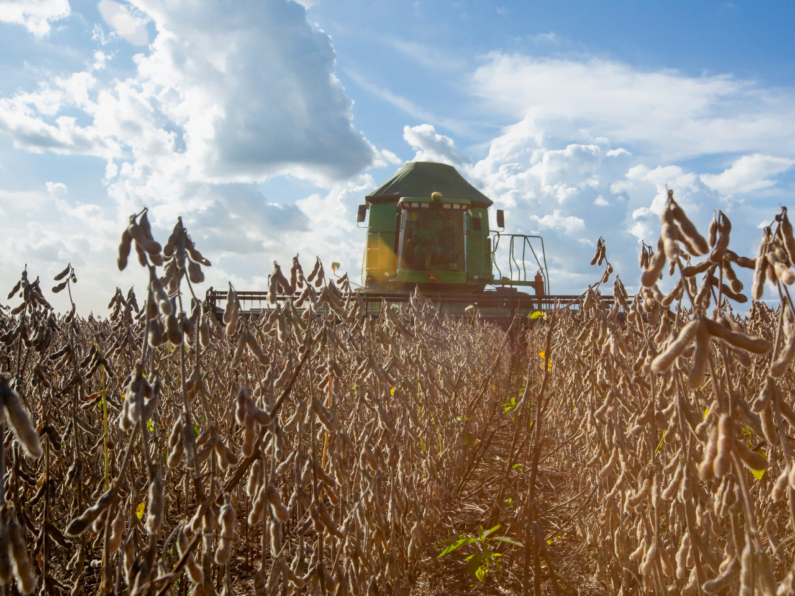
<point x="127" y="25"/>
<point x="556" y="221"/>
<point x="219" y="101"/>
<point x="748" y="173"/>
<point x="35" y="15"/>
<point x="223" y="96"/>
<point x="431" y="146"/>
<point x="252" y="91"/>
<point x="31" y="120"/>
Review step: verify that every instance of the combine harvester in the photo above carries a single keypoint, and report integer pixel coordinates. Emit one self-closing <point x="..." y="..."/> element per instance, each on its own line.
<point x="429" y="228"/>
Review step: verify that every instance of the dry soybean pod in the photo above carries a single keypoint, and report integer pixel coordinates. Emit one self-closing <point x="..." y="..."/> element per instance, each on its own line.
<point x="173" y="332"/>
<point x="692" y="270"/>
<point x="226" y="539"/>
<point x="116" y="532"/>
<point x="256" y="350"/>
<point x="728" y="272"/>
<point x="194" y="572"/>
<point x="760" y="271"/>
<point x="257" y="506"/>
<point x="669" y="235"/>
<point x="765" y="397"/>
<point x="786" y="233"/>
<point x="593" y="261"/>
<point x="731" y="294"/>
<point x="651" y="274"/>
<point x="780" y="366"/>
<point x="84" y="521"/>
<point x="752" y="460"/>
<point x="783" y="272"/>
<point x="314" y="271"/>
<point x="20" y="559"/>
<point x="240" y="348"/>
<point x="712" y="237"/>
<point x="722" y="463"/>
<point x="154" y="335"/>
<point x="125" y="244"/>
<point x="231" y="304"/>
<point x="643" y="258"/>
<point x="724" y="578"/>
<point x="741" y="341"/>
<point x="175" y="444"/>
<point x="154" y="519"/>
<point x="705" y="468"/>
<point x="724" y="229"/>
<point x="279" y="511"/>
<point x="204" y="332"/>
<point x="780" y="486"/>
<point x="745" y="262"/>
<point x="254" y="478"/>
<point x="700" y="357"/>
<point x="674" y="294"/>
<point x="231" y="325"/>
<point x="195" y="273"/>
<point x="694" y="241"/>
<point x="19" y="420"/>
<point x="663" y="361"/>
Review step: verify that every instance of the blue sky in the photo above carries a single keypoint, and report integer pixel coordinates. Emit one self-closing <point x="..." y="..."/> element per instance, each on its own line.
<point x="264" y="123"/>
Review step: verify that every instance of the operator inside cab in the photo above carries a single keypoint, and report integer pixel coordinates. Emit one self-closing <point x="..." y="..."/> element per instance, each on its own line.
<point x="430" y="237"/>
<point x="427" y="246"/>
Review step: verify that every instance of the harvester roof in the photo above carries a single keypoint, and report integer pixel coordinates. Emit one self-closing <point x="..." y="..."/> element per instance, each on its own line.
<point x="422" y="178"/>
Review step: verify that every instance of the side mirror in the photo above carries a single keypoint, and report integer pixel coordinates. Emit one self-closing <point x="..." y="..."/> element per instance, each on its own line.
<point x="362" y="214"/>
<point x="500" y="218"/>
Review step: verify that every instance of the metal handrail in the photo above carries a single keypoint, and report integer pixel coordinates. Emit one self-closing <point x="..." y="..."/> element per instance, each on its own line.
<point x="522" y="271"/>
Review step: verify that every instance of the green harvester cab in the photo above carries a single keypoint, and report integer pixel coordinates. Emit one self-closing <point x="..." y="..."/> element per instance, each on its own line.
<point x="430" y="228"/>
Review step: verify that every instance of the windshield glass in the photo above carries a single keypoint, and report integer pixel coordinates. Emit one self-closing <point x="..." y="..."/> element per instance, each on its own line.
<point x="433" y="239"/>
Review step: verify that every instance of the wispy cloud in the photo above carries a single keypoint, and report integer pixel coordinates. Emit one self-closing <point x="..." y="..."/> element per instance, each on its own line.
<point x="428" y="55"/>
<point x="406" y="105"/>
<point x="664" y="112"/>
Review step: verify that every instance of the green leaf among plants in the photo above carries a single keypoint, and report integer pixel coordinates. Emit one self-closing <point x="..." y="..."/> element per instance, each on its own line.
<point x="508" y="541"/>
